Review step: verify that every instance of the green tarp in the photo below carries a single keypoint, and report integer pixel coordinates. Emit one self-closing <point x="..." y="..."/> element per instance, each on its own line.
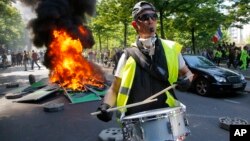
<point x="42" y="88"/>
<point x="91" y="94"/>
<point x="39" y="94"/>
<point x="31" y="88"/>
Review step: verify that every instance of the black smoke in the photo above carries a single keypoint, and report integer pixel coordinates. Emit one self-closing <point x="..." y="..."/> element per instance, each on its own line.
<point x="60" y="14"/>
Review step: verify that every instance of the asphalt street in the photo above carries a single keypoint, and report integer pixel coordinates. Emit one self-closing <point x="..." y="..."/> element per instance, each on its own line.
<point x="28" y="121"/>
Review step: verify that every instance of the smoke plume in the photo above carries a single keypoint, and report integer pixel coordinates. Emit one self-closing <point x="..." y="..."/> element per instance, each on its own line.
<point x="60" y="14"/>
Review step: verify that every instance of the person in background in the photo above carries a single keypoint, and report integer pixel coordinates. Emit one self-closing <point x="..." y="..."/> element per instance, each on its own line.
<point x="232" y="58"/>
<point x="217" y="55"/>
<point x="34" y="60"/>
<point x="4" y="60"/>
<point x="25" y="60"/>
<point x="244" y="57"/>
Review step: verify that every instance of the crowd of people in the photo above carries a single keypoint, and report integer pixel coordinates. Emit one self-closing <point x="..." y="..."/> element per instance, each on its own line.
<point x="105" y="57"/>
<point x="232" y="55"/>
<point x="25" y="58"/>
<point x="228" y="53"/>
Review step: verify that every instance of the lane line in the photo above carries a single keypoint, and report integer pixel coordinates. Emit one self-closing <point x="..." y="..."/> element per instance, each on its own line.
<point x="232" y="101"/>
<point x="202" y="116"/>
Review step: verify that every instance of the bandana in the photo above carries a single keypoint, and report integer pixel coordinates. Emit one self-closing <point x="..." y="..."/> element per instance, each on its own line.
<point x="149" y="44"/>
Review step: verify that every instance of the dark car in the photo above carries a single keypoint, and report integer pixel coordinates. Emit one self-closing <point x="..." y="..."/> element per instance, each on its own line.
<point x="210" y="79"/>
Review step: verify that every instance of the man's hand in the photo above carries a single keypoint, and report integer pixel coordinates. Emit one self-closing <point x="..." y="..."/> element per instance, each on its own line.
<point x="104" y="115"/>
<point x="181" y="138"/>
<point x="183" y="84"/>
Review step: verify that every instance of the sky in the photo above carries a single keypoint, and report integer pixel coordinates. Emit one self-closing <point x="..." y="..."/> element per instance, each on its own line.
<point x="26" y="12"/>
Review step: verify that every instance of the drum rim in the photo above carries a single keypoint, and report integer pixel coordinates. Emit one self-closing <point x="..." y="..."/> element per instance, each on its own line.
<point x="150" y="113"/>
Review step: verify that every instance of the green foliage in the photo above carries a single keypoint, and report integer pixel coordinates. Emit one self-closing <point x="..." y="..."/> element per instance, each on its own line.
<point x="190" y="22"/>
<point x="239" y="12"/>
<point x="111" y="23"/>
<point x="12" y="27"/>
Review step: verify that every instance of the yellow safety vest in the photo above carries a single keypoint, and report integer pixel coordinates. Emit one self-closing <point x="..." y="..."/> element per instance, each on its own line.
<point x="171" y="50"/>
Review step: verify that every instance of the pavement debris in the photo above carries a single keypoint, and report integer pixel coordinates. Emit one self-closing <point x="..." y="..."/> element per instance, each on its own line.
<point x="53" y="107"/>
<point x="12" y="85"/>
<point x="225" y="122"/>
<point x="13" y="95"/>
<point x="111" y="134"/>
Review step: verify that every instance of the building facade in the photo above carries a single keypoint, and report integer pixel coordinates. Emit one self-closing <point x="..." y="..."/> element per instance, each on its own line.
<point x="240" y="36"/>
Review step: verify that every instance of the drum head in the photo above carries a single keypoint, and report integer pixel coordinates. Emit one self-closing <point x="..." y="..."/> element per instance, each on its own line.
<point x="155" y="112"/>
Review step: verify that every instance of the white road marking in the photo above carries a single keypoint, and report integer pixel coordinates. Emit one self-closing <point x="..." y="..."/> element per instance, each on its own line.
<point x="202" y="116"/>
<point x="232" y="101"/>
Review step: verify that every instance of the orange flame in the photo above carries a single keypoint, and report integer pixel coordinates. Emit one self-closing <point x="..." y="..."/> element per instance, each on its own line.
<point x="69" y="68"/>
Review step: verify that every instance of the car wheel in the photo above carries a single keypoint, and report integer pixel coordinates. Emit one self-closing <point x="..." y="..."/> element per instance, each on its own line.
<point x="202" y="87"/>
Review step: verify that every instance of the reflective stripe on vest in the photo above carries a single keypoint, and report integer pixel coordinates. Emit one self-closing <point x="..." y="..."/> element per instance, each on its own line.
<point x="171" y="50"/>
<point x="128" y="73"/>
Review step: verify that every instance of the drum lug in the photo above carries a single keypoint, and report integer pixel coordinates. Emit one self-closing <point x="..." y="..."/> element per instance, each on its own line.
<point x="142" y="133"/>
<point x="169" y="127"/>
<point x="185" y="120"/>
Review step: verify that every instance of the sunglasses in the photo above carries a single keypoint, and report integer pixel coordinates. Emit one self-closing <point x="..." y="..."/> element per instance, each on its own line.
<point x="145" y="17"/>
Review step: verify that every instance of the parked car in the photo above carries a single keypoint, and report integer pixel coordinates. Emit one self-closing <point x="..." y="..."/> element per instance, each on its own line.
<point x="210" y="79"/>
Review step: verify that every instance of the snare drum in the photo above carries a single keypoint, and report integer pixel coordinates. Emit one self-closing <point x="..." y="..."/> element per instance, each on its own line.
<point x="166" y="124"/>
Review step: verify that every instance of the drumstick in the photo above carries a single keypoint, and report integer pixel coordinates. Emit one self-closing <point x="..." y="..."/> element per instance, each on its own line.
<point x="148" y="100"/>
<point x="166" y="89"/>
<point x="162" y="91"/>
<point x="126" y="106"/>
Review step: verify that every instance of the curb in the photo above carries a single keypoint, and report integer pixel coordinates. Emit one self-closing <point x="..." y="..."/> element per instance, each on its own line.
<point x="247" y="77"/>
<point x="247" y="89"/>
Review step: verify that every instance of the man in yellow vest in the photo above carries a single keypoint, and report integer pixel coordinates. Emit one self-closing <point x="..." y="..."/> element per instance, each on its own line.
<point x="244" y="57"/>
<point x="148" y="67"/>
<point x="217" y="56"/>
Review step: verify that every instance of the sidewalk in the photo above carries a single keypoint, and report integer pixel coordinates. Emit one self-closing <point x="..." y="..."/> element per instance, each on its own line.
<point x="18" y="75"/>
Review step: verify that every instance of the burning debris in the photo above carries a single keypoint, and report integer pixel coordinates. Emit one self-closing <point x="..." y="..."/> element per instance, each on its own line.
<point x="59" y="26"/>
<point x="69" y="67"/>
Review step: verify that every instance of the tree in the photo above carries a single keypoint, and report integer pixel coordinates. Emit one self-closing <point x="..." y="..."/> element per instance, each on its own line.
<point x="12" y="26"/>
<point x="190" y="22"/>
<point x="117" y="14"/>
<point x="238" y="13"/>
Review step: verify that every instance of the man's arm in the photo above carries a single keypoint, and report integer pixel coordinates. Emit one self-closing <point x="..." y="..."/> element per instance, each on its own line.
<point x="110" y="97"/>
<point x="185" y="72"/>
<point x="109" y="101"/>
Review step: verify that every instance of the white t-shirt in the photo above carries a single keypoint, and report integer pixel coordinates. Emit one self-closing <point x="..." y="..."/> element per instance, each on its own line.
<point x="123" y="60"/>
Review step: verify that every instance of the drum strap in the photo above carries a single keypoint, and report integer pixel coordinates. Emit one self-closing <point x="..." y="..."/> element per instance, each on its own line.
<point x="145" y="63"/>
<point x="156" y="71"/>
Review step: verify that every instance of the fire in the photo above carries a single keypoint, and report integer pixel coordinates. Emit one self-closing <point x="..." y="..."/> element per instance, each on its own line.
<point x="69" y="68"/>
